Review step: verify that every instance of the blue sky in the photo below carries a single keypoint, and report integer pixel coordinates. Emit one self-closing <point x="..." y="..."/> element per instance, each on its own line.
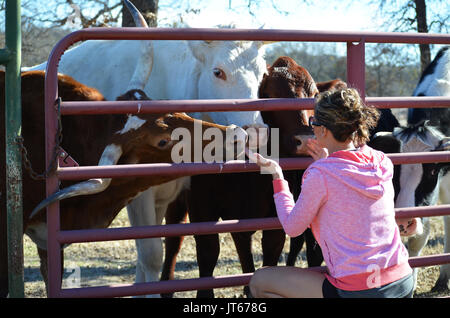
<point x="322" y="15"/>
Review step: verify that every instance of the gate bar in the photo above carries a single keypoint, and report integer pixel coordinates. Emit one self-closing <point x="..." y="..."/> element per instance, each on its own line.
<point x="276" y="35"/>
<point x="221" y="105"/>
<point x="356" y="66"/>
<point x="204" y="228"/>
<point x="185" y="169"/>
<point x="206" y="282"/>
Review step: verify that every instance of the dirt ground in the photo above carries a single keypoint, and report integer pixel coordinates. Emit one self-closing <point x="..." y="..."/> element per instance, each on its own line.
<point x="107" y="263"/>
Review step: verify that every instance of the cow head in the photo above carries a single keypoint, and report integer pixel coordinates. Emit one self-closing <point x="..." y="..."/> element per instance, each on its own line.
<point x="287" y="79"/>
<point x="422" y="179"/>
<point x="147" y="138"/>
<point x="434" y="81"/>
<point x="415" y="184"/>
<point x="230" y="70"/>
<point x="161" y="134"/>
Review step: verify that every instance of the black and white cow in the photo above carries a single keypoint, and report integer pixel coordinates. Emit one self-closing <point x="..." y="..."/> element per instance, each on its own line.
<point x="435" y="81"/>
<point x="424" y="184"/>
<point x="417" y="184"/>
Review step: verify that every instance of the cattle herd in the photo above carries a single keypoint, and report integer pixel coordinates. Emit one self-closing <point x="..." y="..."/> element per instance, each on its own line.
<point x="136" y="70"/>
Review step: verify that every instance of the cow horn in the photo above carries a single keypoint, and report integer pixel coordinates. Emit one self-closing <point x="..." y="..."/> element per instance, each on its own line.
<point x="110" y="156"/>
<point x="145" y="63"/>
<point x="137" y="16"/>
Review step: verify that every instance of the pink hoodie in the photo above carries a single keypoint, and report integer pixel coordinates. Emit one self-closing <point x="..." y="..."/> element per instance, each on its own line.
<point x="348" y="200"/>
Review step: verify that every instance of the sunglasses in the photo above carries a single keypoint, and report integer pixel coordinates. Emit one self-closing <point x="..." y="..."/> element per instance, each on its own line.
<point x="313" y="122"/>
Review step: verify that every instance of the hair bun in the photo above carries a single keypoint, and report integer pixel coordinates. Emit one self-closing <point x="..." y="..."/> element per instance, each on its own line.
<point x="344" y="113"/>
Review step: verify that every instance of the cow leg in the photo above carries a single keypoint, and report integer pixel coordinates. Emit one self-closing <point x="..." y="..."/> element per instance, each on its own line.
<point x="142" y="211"/>
<point x="313" y="251"/>
<point x="43" y="259"/>
<point x="176" y="213"/>
<point x="443" y="281"/>
<point x="208" y="249"/>
<point x="243" y="243"/>
<point x="43" y="266"/>
<point x="272" y="246"/>
<point x="417" y="242"/>
<point x="294" y="249"/>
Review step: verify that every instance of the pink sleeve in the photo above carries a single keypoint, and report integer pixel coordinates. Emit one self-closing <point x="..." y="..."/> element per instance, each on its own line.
<point x="296" y="217"/>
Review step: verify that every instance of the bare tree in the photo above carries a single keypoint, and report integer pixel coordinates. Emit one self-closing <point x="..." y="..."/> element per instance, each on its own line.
<point x="70" y="13"/>
<point x="422" y="26"/>
<point x="411" y="15"/>
<point x="148" y="8"/>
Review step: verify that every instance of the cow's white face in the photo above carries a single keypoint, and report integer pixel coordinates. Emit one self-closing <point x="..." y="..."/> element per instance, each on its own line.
<point x="230" y="70"/>
<point x="411" y="175"/>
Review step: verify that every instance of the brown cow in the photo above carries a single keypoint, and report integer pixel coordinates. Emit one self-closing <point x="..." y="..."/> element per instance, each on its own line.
<point x="247" y="195"/>
<point x="313" y="252"/>
<point x="128" y="139"/>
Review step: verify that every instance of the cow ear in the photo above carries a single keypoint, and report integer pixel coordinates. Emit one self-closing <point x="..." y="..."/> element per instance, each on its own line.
<point x="386" y="142"/>
<point x="262" y="87"/>
<point x="200" y="49"/>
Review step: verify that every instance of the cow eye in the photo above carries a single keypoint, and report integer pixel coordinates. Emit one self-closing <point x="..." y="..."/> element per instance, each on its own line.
<point x="219" y="73"/>
<point x="162" y="143"/>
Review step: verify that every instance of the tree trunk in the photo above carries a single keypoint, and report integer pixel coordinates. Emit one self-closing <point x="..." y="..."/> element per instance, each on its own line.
<point x="148" y="8"/>
<point x="422" y="27"/>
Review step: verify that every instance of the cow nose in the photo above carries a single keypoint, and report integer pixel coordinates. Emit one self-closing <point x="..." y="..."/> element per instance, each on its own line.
<point x="300" y="144"/>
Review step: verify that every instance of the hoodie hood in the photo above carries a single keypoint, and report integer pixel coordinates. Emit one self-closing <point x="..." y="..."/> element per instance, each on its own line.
<point x="365" y="170"/>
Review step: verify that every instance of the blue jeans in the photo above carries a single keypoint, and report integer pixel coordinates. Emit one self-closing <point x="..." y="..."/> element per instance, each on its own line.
<point x="402" y="288"/>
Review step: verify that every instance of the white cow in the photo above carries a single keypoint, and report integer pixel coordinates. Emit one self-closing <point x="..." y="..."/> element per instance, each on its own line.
<point x="181" y="70"/>
<point x="435" y="81"/>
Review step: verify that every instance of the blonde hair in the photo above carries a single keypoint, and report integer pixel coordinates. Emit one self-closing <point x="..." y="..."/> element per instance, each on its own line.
<point x="345" y="115"/>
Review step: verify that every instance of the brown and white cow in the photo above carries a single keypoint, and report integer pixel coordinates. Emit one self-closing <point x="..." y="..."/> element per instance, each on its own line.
<point x="90" y="140"/>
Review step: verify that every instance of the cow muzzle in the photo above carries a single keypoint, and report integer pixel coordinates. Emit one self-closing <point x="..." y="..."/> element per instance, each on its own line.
<point x="301" y="149"/>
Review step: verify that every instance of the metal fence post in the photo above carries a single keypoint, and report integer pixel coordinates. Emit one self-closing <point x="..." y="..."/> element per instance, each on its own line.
<point x="11" y="58"/>
<point x="356" y="66"/>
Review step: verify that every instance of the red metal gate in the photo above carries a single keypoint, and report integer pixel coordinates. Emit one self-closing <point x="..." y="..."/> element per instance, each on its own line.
<point x="355" y="77"/>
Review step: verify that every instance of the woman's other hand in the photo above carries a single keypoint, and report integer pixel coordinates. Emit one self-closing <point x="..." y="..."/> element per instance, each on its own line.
<point x="314" y="150"/>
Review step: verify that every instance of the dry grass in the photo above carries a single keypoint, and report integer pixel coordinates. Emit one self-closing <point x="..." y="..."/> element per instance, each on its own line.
<point x="105" y="263"/>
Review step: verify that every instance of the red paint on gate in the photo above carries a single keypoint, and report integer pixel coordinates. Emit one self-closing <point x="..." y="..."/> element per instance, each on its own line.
<point x="355" y="72"/>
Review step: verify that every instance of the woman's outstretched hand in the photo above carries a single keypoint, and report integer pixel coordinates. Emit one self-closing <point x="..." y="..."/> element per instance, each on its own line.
<point x="267" y="165"/>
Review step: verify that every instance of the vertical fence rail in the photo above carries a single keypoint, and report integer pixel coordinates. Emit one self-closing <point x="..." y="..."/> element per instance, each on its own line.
<point x="356" y="66"/>
<point x="356" y="77"/>
<point x="10" y="56"/>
